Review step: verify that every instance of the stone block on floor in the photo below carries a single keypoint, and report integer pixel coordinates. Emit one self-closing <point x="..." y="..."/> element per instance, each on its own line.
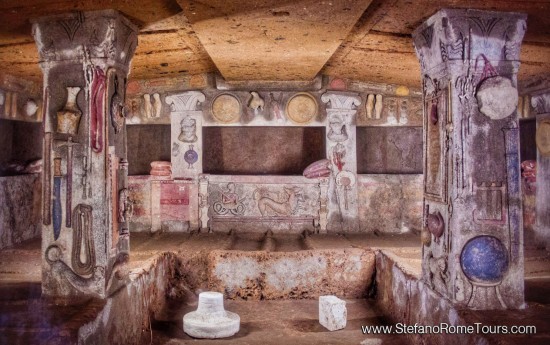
<point x="332" y="313"/>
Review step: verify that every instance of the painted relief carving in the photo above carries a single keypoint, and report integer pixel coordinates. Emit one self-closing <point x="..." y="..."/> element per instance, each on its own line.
<point x="148" y="106"/>
<point x="338" y="155"/>
<point x="93" y="284"/>
<point x="72" y="25"/>
<point x="125" y="209"/>
<point x="256" y="103"/>
<point x="287" y="204"/>
<point x="436" y="224"/>
<point x="302" y="108"/>
<point x="69" y="145"/>
<point x="497" y="97"/>
<point x="491" y="203"/>
<point x="188" y="130"/>
<point x="541" y="103"/>
<point x="117" y="109"/>
<point x="47" y="159"/>
<point x="30" y="108"/>
<point x="230" y="202"/>
<point x="96" y="77"/>
<point x="83" y="249"/>
<point x="543" y="138"/>
<point x="68" y="118"/>
<point x="226" y="108"/>
<point x="318" y="169"/>
<point x="514" y="35"/>
<point x="428" y="34"/>
<point x="484" y="261"/>
<point x="435" y="156"/>
<point x="337" y="129"/>
<point x="439" y="276"/>
<point x="157" y="105"/>
<point x="187" y="101"/>
<point x="57" y="210"/>
<point x="191" y="157"/>
<point x="345" y="180"/>
<point x="175" y="149"/>
<point x="275" y="105"/>
<point x="370" y="106"/>
<point x="378" y="107"/>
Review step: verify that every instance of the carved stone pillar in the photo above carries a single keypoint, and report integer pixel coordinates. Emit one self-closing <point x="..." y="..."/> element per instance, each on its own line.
<point x="85" y="58"/>
<point x="540" y="102"/>
<point x="341" y="150"/>
<point x="473" y="232"/>
<point x="186" y="134"/>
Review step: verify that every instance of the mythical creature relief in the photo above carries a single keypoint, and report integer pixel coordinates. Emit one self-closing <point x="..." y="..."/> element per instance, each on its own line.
<point x="287" y="203"/>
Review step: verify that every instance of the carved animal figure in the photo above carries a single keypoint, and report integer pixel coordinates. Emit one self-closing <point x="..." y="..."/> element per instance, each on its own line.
<point x="438" y="272"/>
<point x="256" y="103"/>
<point x="291" y="198"/>
<point x="91" y="285"/>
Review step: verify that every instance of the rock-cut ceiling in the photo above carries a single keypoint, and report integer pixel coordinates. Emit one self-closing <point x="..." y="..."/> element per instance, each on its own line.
<point x="367" y="40"/>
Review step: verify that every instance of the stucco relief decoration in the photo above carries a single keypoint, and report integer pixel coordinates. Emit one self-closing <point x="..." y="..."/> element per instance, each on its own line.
<point x="484" y="261"/>
<point x="286" y="204"/>
<point x="229" y="202"/>
<point x="541" y="103"/>
<point x="543" y="138"/>
<point x="345" y="180"/>
<point x="117" y="108"/>
<point x="188" y="130"/>
<point x="318" y="169"/>
<point x="68" y="118"/>
<point x="191" y="157"/>
<point x="256" y="103"/>
<point x="337" y="129"/>
<point x="302" y="108"/>
<point x="497" y="97"/>
<point x="435" y="157"/>
<point x="226" y="108"/>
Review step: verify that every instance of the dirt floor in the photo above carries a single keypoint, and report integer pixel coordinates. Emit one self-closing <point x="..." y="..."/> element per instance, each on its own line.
<point x="27" y="319"/>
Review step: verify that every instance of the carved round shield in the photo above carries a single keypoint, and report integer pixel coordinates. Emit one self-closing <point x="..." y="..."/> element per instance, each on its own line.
<point x="543" y="138"/>
<point x="345" y="178"/>
<point x="497" y="98"/>
<point x="302" y="108"/>
<point x="226" y="108"/>
<point x="436" y="224"/>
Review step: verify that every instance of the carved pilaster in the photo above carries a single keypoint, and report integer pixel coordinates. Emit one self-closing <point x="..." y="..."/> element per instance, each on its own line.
<point x="186" y="133"/>
<point x="469" y="61"/>
<point x="85" y="59"/>
<point x="341" y="151"/>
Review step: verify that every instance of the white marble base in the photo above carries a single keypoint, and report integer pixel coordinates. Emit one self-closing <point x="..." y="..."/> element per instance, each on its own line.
<point x="210" y="320"/>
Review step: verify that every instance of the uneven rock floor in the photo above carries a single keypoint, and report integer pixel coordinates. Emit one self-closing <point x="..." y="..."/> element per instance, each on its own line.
<point x="25" y="318"/>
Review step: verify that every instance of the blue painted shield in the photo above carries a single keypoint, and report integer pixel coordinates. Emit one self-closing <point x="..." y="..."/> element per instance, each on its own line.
<point x="484" y="259"/>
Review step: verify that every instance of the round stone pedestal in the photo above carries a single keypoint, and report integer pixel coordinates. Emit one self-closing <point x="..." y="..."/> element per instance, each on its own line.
<point x="210" y="320"/>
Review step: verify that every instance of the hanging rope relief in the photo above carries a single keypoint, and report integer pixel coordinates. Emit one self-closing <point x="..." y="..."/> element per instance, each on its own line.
<point x="83" y="252"/>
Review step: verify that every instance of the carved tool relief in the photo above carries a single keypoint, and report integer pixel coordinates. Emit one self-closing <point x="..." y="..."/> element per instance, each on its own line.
<point x="83" y="249"/>
<point x="117" y="109"/>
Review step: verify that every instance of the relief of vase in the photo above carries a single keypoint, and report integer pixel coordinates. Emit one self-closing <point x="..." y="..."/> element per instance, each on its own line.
<point x="68" y="118"/>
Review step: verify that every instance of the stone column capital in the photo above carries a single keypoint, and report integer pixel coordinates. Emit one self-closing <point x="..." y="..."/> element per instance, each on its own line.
<point x="186" y="101"/>
<point x="464" y="34"/>
<point x="103" y="37"/>
<point x="341" y="100"/>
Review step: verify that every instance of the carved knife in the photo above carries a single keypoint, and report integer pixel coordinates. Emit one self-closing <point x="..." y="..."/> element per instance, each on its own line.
<point x="57" y="211"/>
